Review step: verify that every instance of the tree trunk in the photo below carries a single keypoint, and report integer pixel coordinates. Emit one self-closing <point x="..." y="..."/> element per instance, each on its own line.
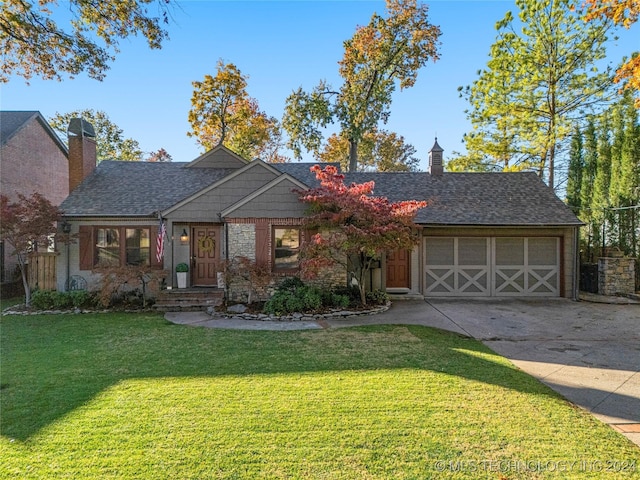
<point x="353" y="156"/>
<point x="25" y="281"/>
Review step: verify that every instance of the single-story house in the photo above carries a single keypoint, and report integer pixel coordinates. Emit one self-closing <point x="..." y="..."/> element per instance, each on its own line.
<point x="483" y="234"/>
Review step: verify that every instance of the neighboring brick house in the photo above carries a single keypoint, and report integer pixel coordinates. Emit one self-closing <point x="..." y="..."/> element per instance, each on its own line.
<point x="32" y="159"/>
<point x="486" y="234"/>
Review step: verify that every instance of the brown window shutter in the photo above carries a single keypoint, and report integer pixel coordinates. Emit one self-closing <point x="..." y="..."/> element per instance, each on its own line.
<point x="86" y="247"/>
<point x="263" y="253"/>
<point x="153" y="244"/>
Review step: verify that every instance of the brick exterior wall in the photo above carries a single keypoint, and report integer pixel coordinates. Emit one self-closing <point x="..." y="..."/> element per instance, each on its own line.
<point x="616" y="275"/>
<point x="31" y="161"/>
<point x="82" y="159"/>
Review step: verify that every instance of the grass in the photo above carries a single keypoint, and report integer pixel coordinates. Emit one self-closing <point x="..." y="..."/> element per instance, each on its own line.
<point x="10" y="302"/>
<point x="132" y="396"/>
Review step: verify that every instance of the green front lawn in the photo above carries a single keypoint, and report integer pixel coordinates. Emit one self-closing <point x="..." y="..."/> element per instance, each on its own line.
<point x="133" y="396"/>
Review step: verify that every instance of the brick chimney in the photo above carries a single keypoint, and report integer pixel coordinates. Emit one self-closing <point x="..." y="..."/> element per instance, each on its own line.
<point x="436" y="167"/>
<point x="82" y="151"/>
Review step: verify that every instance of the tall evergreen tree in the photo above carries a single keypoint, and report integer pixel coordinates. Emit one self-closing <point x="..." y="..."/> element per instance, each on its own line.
<point x="576" y="167"/>
<point x="600" y="204"/>
<point x="589" y="170"/>
<point x="549" y="56"/>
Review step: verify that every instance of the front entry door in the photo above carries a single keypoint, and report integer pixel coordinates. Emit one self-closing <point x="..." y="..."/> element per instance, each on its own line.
<point x="206" y="255"/>
<point x="398" y="269"/>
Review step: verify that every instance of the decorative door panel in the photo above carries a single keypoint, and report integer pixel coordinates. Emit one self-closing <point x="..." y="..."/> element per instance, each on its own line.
<point x="205" y="250"/>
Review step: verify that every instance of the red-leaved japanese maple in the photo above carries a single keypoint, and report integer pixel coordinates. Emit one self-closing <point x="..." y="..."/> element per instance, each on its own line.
<point x="355" y="227"/>
<point x="25" y="223"/>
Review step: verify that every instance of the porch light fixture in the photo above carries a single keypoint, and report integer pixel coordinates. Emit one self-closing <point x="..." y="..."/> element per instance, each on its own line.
<point x="184" y="238"/>
<point x="66" y="227"/>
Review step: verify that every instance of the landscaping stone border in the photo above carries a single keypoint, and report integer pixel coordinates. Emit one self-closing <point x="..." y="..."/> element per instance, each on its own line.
<point x="301" y="317"/>
<point x="294" y="317"/>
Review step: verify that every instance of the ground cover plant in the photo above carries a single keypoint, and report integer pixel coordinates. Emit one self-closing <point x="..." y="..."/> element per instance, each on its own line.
<point x="133" y="396"/>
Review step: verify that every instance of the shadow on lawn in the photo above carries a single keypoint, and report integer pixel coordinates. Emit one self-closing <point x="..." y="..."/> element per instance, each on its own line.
<point x="53" y="365"/>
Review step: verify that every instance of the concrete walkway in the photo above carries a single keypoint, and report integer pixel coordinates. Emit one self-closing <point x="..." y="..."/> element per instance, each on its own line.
<point x="588" y="352"/>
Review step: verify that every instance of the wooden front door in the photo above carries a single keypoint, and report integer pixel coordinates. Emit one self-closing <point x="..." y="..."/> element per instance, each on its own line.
<point x="398" y="263"/>
<point x="206" y="255"/>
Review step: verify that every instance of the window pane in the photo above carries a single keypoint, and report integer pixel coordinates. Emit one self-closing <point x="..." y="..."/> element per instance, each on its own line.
<point x="137" y="243"/>
<point x="287" y="248"/>
<point x="107" y="247"/>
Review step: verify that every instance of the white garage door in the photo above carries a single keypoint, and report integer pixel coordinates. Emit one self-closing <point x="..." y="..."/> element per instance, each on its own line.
<point x="492" y="266"/>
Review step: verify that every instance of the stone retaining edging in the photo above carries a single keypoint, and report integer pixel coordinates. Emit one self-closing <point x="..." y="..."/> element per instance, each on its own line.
<point x="302" y="317"/>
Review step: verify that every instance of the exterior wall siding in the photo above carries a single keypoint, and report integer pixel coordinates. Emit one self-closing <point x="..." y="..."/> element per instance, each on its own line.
<point x="278" y="202"/>
<point x="92" y="279"/>
<point x="206" y="207"/>
<point x="219" y="159"/>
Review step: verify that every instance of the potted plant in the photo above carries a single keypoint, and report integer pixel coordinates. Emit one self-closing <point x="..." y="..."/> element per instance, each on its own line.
<point x="181" y="273"/>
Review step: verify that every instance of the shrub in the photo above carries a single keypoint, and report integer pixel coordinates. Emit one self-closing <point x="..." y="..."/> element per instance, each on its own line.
<point x="377" y="297"/>
<point x="341" y="301"/>
<point x="294" y="296"/>
<point x="290" y="284"/>
<point x="50" y="300"/>
<point x="182" y="267"/>
<point x="351" y="292"/>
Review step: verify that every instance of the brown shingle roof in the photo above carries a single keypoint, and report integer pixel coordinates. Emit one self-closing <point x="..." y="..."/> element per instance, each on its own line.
<point x="486" y="199"/>
<point x="518" y="198"/>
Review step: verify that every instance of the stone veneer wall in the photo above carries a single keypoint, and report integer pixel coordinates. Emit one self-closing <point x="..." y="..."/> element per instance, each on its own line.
<point x="242" y="240"/>
<point x="616" y="275"/>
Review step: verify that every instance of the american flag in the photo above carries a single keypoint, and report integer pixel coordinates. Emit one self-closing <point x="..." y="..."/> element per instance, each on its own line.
<point x="162" y="233"/>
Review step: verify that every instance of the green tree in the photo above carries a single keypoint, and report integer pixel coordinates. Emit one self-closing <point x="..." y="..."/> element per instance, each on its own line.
<point x="600" y="201"/>
<point x="389" y="51"/>
<point x="590" y="167"/>
<point x="624" y="188"/>
<point x="110" y="141"/>
<point x="576" y="167"/>
<point x="541" y="77"/>
<point x="223" y="113"/>
<point x="379" y="150"/>
<point x="34" y="43"/>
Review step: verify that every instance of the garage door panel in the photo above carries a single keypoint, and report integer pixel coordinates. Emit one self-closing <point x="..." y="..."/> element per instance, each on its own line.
<point x="509" y="280"/>
<point x="457" y="266"/>
<point x="472" y="251"/>
<point x="440" y="251"/>
<point x="492" y="266"/>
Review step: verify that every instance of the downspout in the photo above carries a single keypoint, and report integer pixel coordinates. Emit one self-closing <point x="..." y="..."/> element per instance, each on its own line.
<point x="225" y="227"/>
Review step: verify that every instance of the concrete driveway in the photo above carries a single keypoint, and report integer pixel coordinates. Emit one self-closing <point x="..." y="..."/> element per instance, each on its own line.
<point x="587" y="352"/>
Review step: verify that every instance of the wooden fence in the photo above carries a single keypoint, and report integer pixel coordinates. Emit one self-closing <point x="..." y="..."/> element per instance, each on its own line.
<point x="42" y="271"/>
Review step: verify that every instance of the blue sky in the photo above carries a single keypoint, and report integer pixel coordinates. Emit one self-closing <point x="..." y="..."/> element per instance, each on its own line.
<point x="280" y="46"/>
